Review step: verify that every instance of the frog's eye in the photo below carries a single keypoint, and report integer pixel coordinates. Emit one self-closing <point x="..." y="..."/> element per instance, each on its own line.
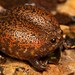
<point x="53" y="40"/>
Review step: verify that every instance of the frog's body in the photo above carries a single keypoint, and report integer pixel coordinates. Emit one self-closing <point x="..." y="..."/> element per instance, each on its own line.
<point x="29" y="33"/>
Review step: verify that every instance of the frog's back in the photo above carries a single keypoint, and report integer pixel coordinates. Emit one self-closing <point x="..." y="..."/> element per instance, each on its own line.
<point x="37" y="16"/>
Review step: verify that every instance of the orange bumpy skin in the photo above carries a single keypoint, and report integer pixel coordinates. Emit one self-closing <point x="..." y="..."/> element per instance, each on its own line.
<point x="29" y="33"/>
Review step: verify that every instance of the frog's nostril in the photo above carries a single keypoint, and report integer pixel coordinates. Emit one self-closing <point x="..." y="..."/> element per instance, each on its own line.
<point x="53" y="40"/>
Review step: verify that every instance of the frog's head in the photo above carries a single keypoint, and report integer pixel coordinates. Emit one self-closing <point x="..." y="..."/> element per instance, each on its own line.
<point x="54" y="38"/>
<point x="55" y="34"/>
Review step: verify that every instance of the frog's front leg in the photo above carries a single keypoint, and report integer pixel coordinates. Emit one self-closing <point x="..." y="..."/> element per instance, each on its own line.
<point x="68" y="43"/>
<point x="37" y="64"/>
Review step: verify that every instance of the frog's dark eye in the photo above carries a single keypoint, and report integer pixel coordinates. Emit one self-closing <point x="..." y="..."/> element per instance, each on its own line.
<point x="53" y="40"/>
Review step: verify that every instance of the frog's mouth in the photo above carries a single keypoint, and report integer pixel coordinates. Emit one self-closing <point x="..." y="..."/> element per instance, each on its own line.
<point x="52" y="58"/>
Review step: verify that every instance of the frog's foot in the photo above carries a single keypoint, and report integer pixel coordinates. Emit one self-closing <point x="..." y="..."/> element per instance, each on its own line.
<point x="69" y="43"/>
<point x="37" y="65"/>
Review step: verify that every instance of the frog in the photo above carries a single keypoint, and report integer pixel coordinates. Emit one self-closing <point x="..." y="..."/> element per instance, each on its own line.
<point x="29" y="33"/>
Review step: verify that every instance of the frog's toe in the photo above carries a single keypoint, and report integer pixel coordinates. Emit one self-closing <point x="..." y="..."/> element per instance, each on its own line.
<point x="37" y="65"/>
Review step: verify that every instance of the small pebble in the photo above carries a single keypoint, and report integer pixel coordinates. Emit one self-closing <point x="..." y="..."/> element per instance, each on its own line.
<point x="21" y="71"/>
